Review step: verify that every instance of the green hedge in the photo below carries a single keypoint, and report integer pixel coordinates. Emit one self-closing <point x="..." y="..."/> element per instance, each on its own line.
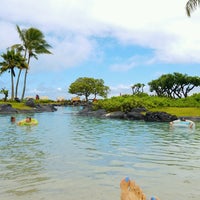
<point x="127" y="102"/>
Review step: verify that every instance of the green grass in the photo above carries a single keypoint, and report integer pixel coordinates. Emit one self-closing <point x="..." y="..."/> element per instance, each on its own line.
<point x="16" y="105"/>
<point x="179" y="111"/>
<point x="20" y="106"/>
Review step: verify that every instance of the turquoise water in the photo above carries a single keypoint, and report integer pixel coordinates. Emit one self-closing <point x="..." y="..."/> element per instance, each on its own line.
<point x="74" y="157"/>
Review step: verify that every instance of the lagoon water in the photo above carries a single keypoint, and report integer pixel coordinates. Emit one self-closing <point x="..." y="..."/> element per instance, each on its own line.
<point x="70" y="157"/>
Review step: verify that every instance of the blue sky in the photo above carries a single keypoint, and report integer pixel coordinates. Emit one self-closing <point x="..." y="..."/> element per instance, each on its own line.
<point x="123" y="42"/>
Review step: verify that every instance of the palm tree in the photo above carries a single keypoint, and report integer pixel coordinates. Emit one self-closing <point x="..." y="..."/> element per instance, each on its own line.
<point x="33" y="44"/>
<point x="191" y="5"/>
<point x="12" y="59"/>
<point x="5" y="92"/>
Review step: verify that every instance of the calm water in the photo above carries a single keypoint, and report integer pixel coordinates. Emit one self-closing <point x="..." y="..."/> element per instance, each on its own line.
<point x="69" y="157"/>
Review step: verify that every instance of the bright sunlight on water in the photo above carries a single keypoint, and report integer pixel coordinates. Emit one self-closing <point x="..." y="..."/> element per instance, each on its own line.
<point x="70" y="157"/>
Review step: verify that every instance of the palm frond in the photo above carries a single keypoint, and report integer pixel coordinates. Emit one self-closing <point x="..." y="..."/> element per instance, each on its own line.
<point x="21" y="33"/>
<point x="191" y="5"/>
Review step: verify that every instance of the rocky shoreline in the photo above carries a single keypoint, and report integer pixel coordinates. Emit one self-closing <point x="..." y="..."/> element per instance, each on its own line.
<point x="34" y="108"/>
<point x="134" y="114"/>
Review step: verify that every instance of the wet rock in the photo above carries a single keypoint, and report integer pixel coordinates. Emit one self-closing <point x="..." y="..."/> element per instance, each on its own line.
<point x="30" y="102"/>
<point x="116" y="115"/>
<point x="139" y="110"/>
<point x="135" y="116"/>
<point x="159" y="117"/>
<point x="87" y="110"/>
<point x="7" y="108"/>
<point x="45" y="108"/>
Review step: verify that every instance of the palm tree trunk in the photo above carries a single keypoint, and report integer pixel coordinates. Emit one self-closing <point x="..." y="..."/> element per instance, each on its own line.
<point x="17" y="83"/>
<point x="25" y="77"/>
<point x="12" y="85"/>
<point x="24" y="88"/>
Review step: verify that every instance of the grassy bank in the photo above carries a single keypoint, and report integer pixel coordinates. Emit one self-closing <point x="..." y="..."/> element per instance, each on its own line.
<point x="16" y="105"/>
<point x="189" y="111"/>
<point x="189" y="106"/>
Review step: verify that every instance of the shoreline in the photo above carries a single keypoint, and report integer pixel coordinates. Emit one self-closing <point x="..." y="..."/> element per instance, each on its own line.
<point x="37" y="108"/>
<point x="7" y="109"/>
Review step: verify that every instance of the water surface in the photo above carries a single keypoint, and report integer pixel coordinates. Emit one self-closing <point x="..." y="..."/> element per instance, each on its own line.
<point x="74" y="157"/>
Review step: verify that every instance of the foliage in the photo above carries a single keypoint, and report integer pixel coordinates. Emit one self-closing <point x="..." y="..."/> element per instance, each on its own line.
<point x="122" y="103"/>
<point x="12" y="59"/>
<point x="5" y="92"/>
<point x="174" y="85"/>
<point x="191" y="5"/>
<point x="33" y="43"/>
<point x="100" y="89"/>
<point x="126" y="103"/>
<point x="138" y="88"/>
<point x="19" y="55"/>
<point x="86" y="86"/>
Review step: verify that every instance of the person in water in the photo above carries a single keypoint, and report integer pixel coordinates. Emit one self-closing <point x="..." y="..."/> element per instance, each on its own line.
<point x="130" y="191"/>
<point x="182" y="119"/>
<point x="28" y="119"/>
<point x="12" y="119"/>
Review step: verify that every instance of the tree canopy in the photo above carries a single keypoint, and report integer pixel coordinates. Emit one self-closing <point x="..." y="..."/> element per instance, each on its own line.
<point x="85" y="86"/>
<point x="174" y="85"/>
<point x="18" y="56"/>
<point x="12" y="59"/>
<point x="5" y="92"/>
<point x="33" y="43"/>
<point x="138" y="88"/>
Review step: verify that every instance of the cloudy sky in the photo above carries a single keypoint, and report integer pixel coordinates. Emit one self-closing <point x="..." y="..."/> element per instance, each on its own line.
<point x="123" y="42"/>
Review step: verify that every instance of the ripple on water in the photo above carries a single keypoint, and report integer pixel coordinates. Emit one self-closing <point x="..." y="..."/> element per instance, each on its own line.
<point x="73" y="157"/>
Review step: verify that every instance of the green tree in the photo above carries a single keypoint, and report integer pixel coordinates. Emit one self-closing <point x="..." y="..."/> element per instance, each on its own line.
<point x="174" y="85"/>
<point x="5" y="92"/>
<point x="191" y="5"/>
<point x="34" y="43"/>
<point x="186" y="83"/>
<point x="138" y="88"/>
<point x="85" y="86"/>
<point x="11" y="60"/>
<point x="100" y="89"/>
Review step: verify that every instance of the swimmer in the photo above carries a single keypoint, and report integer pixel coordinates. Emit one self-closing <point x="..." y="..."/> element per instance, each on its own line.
<point x="28" y="119"/>
<point x="12" y="119"/>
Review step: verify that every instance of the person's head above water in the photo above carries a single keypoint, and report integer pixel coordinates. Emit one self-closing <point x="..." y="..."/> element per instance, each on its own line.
<point x="12" y="119"/>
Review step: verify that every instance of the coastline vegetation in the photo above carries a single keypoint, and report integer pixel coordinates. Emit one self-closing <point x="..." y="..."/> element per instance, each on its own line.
<point x="189" y="106"/>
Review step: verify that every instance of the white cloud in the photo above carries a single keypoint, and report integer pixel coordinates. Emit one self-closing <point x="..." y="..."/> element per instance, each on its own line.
<point x="120" y="89"/>
<point x="161" y="26"/>
<point x="126" y="66"/>
<point x="66" y="53"/>
<point x="73" y="28"/>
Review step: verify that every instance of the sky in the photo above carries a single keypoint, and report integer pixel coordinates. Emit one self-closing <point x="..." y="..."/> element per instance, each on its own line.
<point x="123" y="42"/>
